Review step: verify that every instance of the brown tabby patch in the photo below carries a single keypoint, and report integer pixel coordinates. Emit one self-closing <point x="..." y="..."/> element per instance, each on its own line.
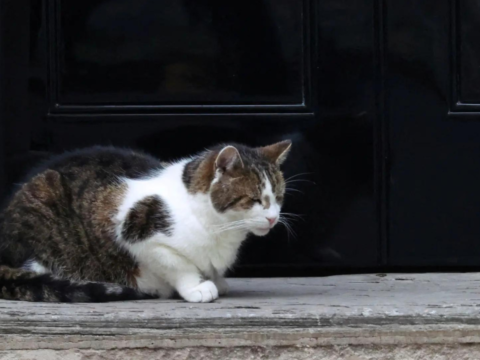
<point x="71" y="236"/>
<point x="62" y="217"/>
<point x="147" y="217"/>
<point x="9" y="275"/>
<point x="241" y="187"/>
<point x="199" y="172"/>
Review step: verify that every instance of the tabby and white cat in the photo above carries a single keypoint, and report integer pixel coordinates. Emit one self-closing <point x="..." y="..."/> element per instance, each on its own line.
<point x="106" y="224"/>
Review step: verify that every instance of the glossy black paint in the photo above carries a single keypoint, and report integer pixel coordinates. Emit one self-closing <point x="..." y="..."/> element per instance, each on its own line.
<point x="379" y="97"/>
<point x="183" y="52"/>
<point x="466" y="33"/>
<point x="434" y="132"/>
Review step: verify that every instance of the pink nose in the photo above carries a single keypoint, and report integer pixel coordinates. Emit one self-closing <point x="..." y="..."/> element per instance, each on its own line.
<point x="272" y="220"/>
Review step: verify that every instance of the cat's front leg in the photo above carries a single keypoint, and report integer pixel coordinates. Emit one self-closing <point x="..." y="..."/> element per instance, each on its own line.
<point x="190" y="287"/>
<point x="220" y="282"/>
<point x="222" y="286"/>
<point x="180" y="273"/>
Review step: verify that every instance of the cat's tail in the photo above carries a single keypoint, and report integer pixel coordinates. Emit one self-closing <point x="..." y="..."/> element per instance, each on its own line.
<point x="23" y="285"/>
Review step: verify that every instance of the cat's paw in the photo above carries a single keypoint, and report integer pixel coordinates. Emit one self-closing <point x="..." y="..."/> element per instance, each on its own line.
<point x="205" y="292"/>
<point x="222" y="286"/>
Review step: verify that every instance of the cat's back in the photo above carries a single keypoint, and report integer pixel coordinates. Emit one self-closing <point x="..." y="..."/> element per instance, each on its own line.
<point x="105" y="162"/>
<point x="83" y="174"/>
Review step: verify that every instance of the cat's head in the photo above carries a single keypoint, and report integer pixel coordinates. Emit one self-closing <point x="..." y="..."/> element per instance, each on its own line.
<point x="245" y="185"/>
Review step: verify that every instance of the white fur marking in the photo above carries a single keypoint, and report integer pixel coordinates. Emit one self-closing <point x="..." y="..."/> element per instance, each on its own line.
<point x="113" y="290"/>
<point x="33" y="265"/>
<point x="274" y="210"/>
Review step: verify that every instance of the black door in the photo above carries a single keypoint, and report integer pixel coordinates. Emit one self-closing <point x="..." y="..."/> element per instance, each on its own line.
<point x="379" y="98"/>
<point x="432" y="82"/>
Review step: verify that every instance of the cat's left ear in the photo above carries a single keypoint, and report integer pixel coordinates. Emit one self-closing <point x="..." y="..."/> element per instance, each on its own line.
<point x="228" y="159"/>
<point x="277" y="153"/>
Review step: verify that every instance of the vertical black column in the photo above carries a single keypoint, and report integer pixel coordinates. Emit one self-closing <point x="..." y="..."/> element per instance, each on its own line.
<point x="15" y="127"/>
<point x="2" y="101"/>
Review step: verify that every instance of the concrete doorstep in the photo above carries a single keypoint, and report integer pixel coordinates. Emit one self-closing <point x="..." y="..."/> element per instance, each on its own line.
<point x="420" y="316"/>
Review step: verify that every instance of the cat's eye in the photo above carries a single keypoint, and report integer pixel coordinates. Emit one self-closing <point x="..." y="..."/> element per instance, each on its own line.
<point x="256" y="200"/>
<point x="279" y="199"/>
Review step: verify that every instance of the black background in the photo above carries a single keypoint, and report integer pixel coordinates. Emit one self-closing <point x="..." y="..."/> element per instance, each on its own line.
<point x="380" y="97"/>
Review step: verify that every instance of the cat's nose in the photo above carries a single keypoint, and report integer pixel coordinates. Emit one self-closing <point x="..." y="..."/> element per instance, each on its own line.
<point x="272" y="220"/>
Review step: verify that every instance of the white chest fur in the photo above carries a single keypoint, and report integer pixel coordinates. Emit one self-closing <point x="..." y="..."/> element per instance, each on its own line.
<point x="194" y="234"/>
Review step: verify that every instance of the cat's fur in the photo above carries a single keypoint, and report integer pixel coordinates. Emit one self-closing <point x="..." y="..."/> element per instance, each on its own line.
<point x="105" y="224"/>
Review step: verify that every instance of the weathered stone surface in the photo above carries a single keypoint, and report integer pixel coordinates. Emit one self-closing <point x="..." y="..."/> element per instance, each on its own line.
<point x="368" y="352"/>
<point x="360" y="316"/>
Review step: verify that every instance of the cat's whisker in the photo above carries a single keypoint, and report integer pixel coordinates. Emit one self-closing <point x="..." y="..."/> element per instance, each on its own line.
<point x="230" y="223"/>
<point x="222" y="231"/>
<point x="236" y="227"/>
<point x="218" y="231"/>
<point x="296" y="175"/>
<point x="292" y="217"/>
<point x="294" y="190"/>
<point x="239" y="224"/>
<point x="253" y="221"/>
<point x="290" y="227"/>
<point x="300" y="180"/>
<point x="236" y="224"/>
<point x="231" y="227"/>
<point x="292" y="214"/>
<point x="290" y="231"/>
<point x="283" y="216"/>
<point x="220" y="226"/>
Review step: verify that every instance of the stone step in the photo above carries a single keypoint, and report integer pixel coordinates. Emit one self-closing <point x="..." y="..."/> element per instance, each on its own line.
<point x="355" y="317"/>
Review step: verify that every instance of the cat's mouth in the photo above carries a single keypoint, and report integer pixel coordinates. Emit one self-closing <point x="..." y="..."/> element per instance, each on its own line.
<point x="261" y="231"/>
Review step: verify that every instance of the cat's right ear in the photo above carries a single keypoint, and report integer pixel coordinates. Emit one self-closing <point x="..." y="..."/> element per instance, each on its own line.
<point x="228" y="159"/>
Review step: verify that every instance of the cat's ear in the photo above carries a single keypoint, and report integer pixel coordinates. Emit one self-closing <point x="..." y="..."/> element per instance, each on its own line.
<point x="228" y="158"/>
<point x="277" y="153"/>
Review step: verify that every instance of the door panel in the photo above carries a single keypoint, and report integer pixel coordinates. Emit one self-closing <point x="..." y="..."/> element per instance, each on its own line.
<point x="466" y="40"/>
<point x="434" y="136"/>
<point x="186" y="52"/>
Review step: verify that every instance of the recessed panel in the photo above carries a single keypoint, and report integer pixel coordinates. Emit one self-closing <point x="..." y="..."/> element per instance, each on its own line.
<point x="468" y="51"/>
<point x="179" y="52"/>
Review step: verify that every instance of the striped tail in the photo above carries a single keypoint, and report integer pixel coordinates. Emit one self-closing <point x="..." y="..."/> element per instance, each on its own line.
<point x="23" y="285"/>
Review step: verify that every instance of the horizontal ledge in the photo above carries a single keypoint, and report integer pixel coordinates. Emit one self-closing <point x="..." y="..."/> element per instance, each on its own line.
<point x="461" y="106"/>
<point x="143" y="117"/>
<point x="265" y="337"/>
<point x="464" y="115"/>
<point x="64" y="108"/>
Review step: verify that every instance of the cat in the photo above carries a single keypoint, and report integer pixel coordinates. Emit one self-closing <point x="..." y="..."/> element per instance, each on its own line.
<point x="110" y="224"/>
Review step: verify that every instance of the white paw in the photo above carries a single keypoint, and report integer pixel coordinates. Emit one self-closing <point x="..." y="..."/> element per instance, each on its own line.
<point x="222" y="286"/>
<point x="205" y="292"/>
